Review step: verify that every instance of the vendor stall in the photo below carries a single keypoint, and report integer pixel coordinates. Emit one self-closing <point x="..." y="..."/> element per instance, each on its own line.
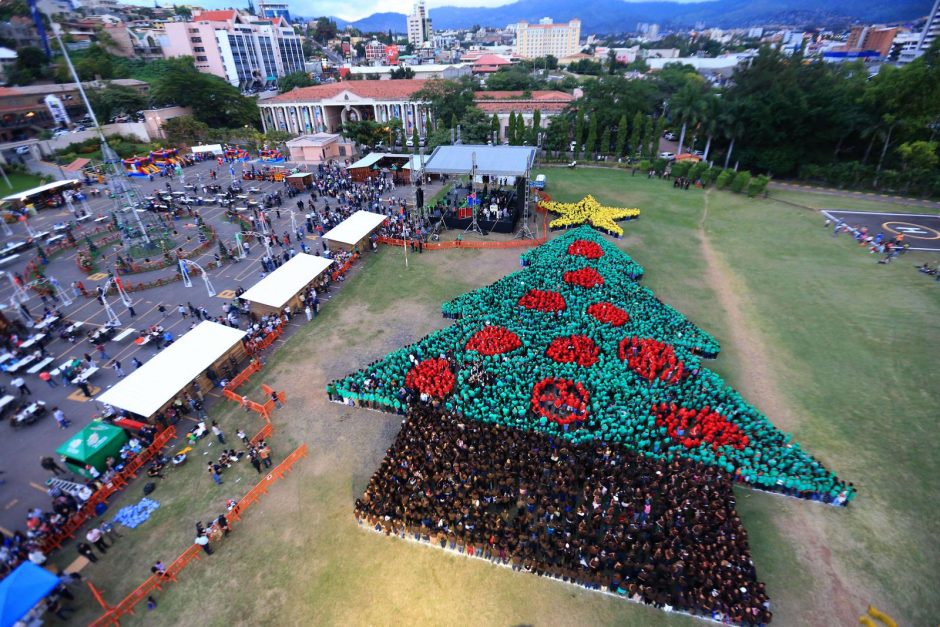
<point x="154" y="385"/>
<point x="300" y="180"/>
<point x="285" y="286"/>
<point x="353" y="232"/>
<point x="92" y="446"/>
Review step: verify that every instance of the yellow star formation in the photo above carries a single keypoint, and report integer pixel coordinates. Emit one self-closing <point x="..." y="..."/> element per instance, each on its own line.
<point x="588" y="210"/>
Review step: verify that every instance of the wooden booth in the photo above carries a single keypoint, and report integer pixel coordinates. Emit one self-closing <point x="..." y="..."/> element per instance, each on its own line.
<point x="285" y="286"/>
<point x="354" y="232"/>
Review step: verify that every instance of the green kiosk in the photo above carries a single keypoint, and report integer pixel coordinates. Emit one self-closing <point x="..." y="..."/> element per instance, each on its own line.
<point x="91" y="447"/>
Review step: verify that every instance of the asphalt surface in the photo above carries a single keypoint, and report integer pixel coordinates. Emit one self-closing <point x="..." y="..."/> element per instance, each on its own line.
<point x="921" y="231"/>
<point x="21" y="448"/>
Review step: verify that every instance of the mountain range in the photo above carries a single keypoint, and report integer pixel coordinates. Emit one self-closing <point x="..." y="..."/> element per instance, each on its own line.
<point x="615" y="16"/>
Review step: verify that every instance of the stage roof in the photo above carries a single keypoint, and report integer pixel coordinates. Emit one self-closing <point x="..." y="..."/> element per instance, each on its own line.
<point x="281" y="285"/>
<point x="490" y="160"/>
<point x="151" y="386"/>
<point x="355" y="227"/>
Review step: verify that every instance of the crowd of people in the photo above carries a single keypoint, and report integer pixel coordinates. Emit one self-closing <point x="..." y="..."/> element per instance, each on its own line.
<point x="661" y="533"/>
<point x="594" y="341"/>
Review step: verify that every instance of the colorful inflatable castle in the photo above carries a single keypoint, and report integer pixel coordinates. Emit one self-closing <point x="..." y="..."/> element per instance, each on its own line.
<point x="139" y="166"/>
<point x="272" y="156"/>
<point x="235" y="153"/>
<point x="166" y="157"/>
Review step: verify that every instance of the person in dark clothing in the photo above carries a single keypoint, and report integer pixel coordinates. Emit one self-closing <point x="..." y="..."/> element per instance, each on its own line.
<point x="84" y="549"/>
<point x="49" y="464"/>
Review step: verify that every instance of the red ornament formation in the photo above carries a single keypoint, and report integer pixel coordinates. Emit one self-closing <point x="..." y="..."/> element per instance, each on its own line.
<point x="608" y="313"/>
<point x="432" y="377"/>
<point x="560" y="400"/>
<point x="586" y="248"/>
<point x="692" y="428"/>
<point x="585" y="277"/>
<point x="651" y="359"/>
<point x="542" y="300"/>
<point x="578" y="349"/>
<point x="493" y="340"/>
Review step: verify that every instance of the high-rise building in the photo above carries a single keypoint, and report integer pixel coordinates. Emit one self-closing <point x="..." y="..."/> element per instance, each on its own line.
<point x="246" y="50"/>
<point x="274" y="9"/>
<point x="419" y="25"/>
<point x="539" y="40"/>
<point x="874" y="38"/>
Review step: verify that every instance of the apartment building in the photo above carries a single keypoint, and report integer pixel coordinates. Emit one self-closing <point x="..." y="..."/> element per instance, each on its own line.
<point x="547" y="38"/>
<point x="247" y="51"/>
<point x="419" y="25"/>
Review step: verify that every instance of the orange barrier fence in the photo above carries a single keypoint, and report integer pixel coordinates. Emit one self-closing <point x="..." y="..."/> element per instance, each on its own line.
<point x="113" y="614"/>
<point x="254" y="348"/>
<point x="120" y="480"/>
<point x="342" y="269"/>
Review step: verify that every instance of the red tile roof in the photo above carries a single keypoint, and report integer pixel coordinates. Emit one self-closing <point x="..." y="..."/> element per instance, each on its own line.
<point x="215" y="16"/>
<point x="491" y="59"/>
<point x="549" y="95"/>
<point x="525" y="106"/>
<point x="376" y="90"/>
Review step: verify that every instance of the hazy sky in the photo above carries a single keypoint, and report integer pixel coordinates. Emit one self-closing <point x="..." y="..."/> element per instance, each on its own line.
<point x="349" y="10"/>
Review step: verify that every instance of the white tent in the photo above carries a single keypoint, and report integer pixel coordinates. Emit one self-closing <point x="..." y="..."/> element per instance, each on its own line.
<point x="276" y="289"/>
<point x="48" y="187"/>
<point x="215" y="149"/>
<point x="154" y="384"/>
<point x="354" y="228"/>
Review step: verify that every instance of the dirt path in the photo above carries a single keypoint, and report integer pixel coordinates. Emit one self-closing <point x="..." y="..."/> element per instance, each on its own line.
<point x="758" y="381"/>
<point x="835" y="599"/>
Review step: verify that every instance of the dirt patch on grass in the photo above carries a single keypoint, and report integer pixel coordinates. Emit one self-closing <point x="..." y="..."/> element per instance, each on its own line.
<point x="758" y="381"/>
<point x="834" y="599"/>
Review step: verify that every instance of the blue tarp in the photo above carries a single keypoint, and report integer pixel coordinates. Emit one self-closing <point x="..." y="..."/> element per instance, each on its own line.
<point x="132" y="516"/>
<point x="22" y="589"/>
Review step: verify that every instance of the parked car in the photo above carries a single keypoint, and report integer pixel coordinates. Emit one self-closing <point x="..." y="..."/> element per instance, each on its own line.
<point x="22" y="150"/>
<point x="410" y="143"/>
<point x="667" y="155"/>
<point x="698" y="153"/>
<point x="60" y="132"/>
<point x="669" y="136"/>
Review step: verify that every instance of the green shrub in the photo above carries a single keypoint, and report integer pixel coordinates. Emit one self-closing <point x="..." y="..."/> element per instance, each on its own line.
<point x="659" y="166"/>
<point x="709" y="175"/>
<point x="740" y="182"/>
<point x="696" y="171"/>
<point x="724" y="179"/>
<point x="758" y="185"/>
<point x="644" y="165"/>
<point x="681" y="168"/>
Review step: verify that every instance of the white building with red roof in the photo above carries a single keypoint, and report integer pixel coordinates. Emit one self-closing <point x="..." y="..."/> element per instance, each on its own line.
<point x="549" y="103"/>
<point x="325" y="108"/>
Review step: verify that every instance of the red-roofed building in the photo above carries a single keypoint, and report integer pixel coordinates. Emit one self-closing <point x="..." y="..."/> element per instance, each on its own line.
<point x="502" y="103"/>
<point x="489" y="63"/>
<point x="247" y="51"/>
<point x="325" y="108"/>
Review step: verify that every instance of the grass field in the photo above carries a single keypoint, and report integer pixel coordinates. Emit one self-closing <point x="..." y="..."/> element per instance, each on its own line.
<point x="833" y="347"/>
<point x="20" y="182"/>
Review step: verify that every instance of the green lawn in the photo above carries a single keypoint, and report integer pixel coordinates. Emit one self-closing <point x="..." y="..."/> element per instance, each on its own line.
<point x="850" y="345"/>
<point x="19" y="182"/>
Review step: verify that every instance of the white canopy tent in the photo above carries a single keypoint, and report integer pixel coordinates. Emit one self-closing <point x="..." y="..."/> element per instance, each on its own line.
<point x="215" y="149"/>
<point x="48" y="187"/>
<point x="355" y="228"/>
<point x="276" y="289"/>
<point x="154" y="384"/>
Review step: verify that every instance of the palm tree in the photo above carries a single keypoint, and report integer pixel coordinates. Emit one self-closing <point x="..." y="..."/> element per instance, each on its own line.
<point x="687" y="106"/>
<point x="711" y="122"/>
<point x="731" y="128"/>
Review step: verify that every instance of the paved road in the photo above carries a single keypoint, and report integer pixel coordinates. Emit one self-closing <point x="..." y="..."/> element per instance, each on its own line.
<point x="20" y="449"/>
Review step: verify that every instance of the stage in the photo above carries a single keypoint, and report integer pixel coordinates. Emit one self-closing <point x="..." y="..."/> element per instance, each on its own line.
<point x="458" y="215"/>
